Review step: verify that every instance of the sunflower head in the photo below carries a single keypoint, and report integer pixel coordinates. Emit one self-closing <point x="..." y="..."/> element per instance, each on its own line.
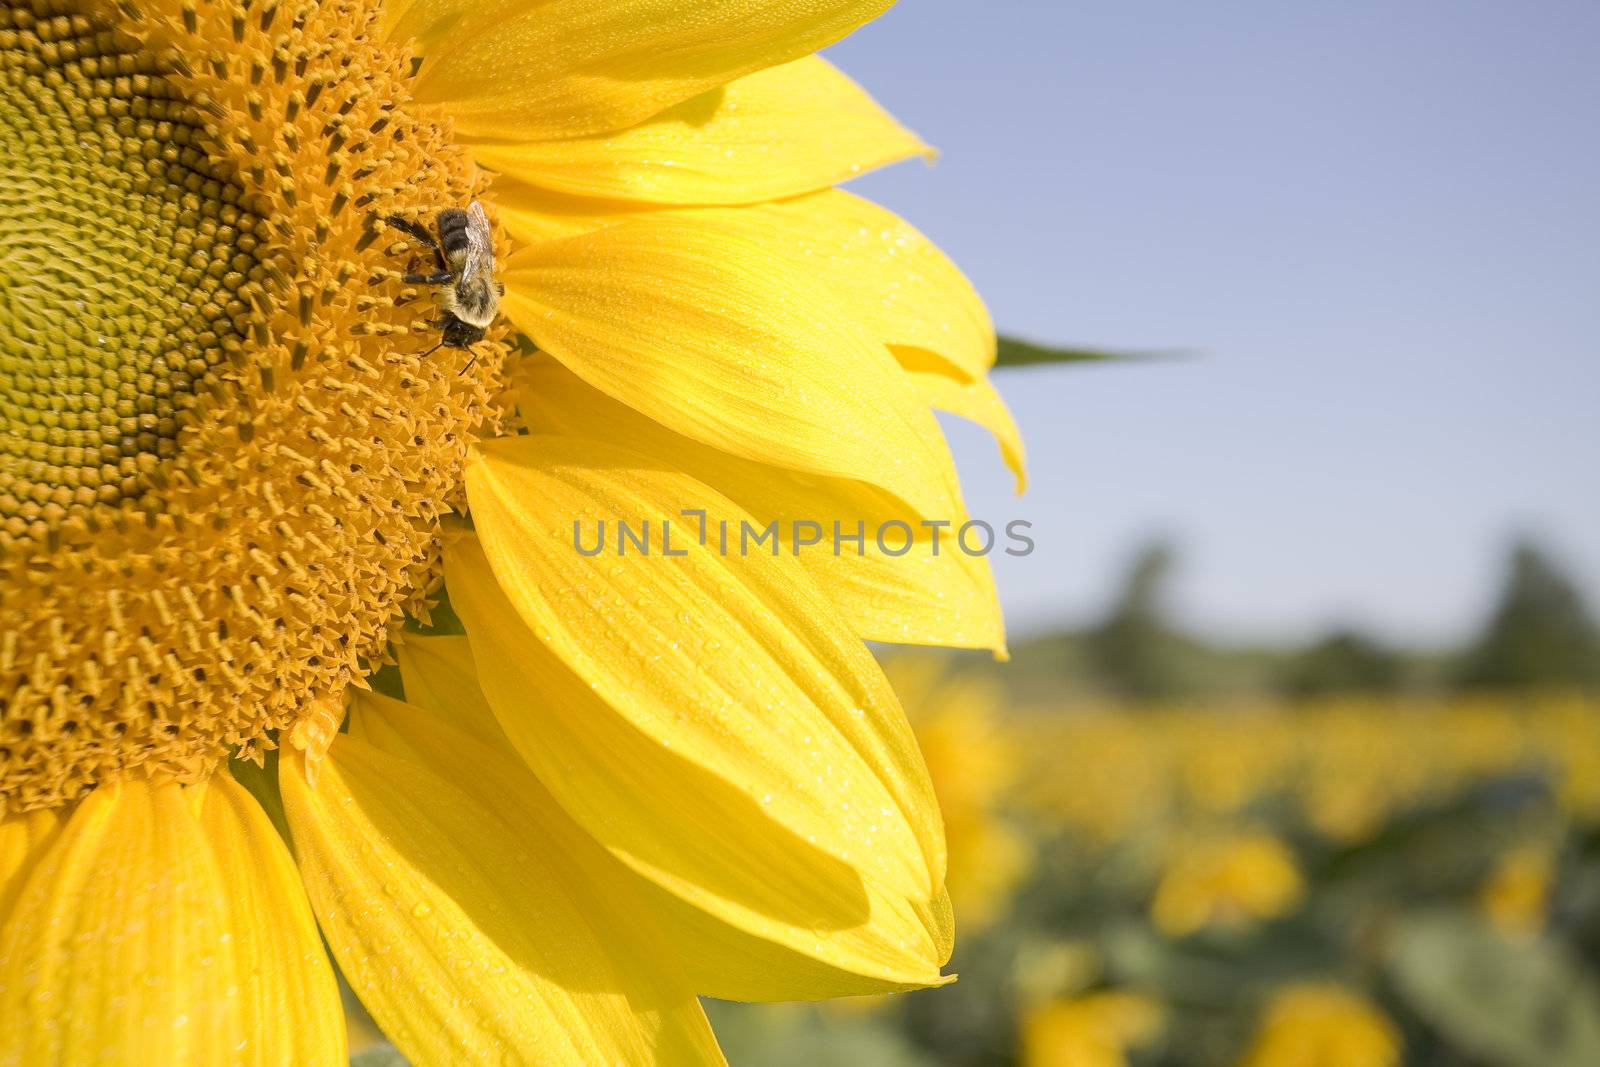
<point x="222" y="458"/>
<point x="229" y="438"/>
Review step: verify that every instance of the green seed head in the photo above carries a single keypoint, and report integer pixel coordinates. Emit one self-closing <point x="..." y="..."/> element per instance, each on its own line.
<point x="123" y="256"/>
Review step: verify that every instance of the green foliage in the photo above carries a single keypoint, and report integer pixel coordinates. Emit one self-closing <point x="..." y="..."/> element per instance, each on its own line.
<point x="387" y="681"/>
<point x="1514" y="1003"/>
<point x="443" y="620"/>
<point x="379" y="1056"/>
<point x="1135" y="651"/>
<point x="1345" y="661"/>
<point x="1540" y="634"/>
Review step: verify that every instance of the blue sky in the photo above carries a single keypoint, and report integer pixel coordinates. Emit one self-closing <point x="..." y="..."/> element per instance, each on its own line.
<point x="1379" y="222"/>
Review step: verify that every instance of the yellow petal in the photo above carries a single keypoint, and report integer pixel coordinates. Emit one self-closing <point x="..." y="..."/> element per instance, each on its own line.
<point x="768" y="633"/>
<point x="438" y="675"/>
<point x="931" y="595"/>
<point x="940" y="917"/>
<point x="23" y="839"/>
<point x="793" y="129"/>
<point x="117" y="949"/>
<point x="709" y="323"/>
<point x="493" y="775"/>
<point x="565" y="68"/>
<point x="462" y="935"/>
<point x="714" y="958"/>
<point x="901" y="290"/>
<point x="891" y="279"/>
<point x="286" y="983"/>
<point x="657" y="697"/>
<point x="125" y="945"/>
<point x="977" y="400"/>
<point x="531" y="214"/>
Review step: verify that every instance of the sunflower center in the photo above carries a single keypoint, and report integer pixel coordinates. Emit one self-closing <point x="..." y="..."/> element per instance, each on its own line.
<point x="121" y="256"/>
<point x="223" y="457"/>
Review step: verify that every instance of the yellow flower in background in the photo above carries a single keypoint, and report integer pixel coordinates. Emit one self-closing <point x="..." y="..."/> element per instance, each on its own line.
<point x="1323" y="1026"/>
<point x="1570" y="731"/>
<point x="1347" y="766"/>
<point x="1228" y="880"/>
<point x="225" y="474"/>
<point x="1093" y="1030"/>
<point x="974" y="764"/>
<point x="1516" y="896"/>
<point x="1100" y="773"/>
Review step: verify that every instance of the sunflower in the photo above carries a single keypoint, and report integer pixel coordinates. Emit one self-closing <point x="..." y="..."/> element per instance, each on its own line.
<point x="236" y="478"/>
<point x="1230" y="879"/>
<point x="1090" y="1030"/>
<point x="1323" y="1025"/>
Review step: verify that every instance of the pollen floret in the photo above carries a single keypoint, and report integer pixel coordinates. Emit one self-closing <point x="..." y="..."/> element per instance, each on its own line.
<point x="222" y="461"/>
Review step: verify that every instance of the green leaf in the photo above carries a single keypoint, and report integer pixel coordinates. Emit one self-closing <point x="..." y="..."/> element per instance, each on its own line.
<point x="1511" y="1003"/>
<point x="443" y="620"/>
<point x="379" y="1056"/>
<point x="1015" y="352"/>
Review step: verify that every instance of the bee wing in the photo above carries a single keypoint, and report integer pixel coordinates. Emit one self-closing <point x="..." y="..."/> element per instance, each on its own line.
<point x="480" y="245"/>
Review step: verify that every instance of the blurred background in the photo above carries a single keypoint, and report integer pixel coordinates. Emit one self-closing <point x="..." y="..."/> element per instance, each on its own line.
<point x="1297" y="760"/>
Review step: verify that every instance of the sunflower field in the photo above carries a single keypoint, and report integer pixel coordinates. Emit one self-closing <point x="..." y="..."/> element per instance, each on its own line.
<point x="1345" y="882"/>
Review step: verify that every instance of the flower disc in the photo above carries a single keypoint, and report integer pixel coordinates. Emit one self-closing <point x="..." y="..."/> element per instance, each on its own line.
<point x="222" y="457"/>
<point x="125" y="255"/>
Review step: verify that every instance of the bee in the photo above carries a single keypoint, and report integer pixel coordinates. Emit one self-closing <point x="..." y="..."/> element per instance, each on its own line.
<point x="468" y="295"/>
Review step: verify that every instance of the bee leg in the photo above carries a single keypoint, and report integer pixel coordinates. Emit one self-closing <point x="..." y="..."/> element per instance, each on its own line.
<point x="470" y="362"/>
<point x="418" y="231"/>
<point x="437" y="278"/>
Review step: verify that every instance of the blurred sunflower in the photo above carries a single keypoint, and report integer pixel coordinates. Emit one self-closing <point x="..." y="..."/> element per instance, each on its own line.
<point x="1231" y="879"/>
<point x="1092" y="1030"/>
<point x="1515" y="898"/>
<point x="225" y="476"/>
<point x="1316" y="1025"/>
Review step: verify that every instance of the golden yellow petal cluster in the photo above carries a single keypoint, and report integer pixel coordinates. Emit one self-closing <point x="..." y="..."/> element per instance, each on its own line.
<point x="237" y="502"/>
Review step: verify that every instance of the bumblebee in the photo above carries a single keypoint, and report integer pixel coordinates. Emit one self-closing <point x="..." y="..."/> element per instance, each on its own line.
<point x="463" y="252"/>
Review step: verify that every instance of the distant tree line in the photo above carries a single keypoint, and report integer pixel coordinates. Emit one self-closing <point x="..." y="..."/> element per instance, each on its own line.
<point x="1539" y="634"/>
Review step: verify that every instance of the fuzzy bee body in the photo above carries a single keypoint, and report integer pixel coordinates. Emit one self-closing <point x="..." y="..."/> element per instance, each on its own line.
<point x="463" y="252"/>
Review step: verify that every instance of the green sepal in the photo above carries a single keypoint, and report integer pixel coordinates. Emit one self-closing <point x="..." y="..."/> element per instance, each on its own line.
<point x="1014" y="352"/>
